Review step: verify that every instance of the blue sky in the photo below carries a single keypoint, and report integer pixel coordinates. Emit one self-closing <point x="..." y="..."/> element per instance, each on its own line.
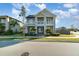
<point x="67" y="14"/>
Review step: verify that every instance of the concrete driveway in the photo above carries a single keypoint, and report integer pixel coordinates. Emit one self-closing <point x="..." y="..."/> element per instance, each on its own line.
<point x="42" y="49"/>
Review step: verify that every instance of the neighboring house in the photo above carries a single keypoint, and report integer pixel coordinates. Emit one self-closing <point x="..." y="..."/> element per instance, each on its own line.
<point x="10" y="23"/>
<point x="40" y="22"/>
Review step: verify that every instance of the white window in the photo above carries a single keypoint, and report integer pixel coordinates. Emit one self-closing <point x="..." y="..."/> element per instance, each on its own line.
<point x="40" y="20"/>
<point x="49" y="20"/>
<point x="2" y="20"/>
<point x="31" y="21"/>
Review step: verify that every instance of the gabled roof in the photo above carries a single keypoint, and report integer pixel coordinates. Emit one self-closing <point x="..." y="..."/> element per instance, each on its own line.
<point x="45" y="11"/>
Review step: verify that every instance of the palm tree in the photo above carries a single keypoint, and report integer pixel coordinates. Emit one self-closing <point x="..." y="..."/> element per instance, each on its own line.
<point x="23" y="15"/>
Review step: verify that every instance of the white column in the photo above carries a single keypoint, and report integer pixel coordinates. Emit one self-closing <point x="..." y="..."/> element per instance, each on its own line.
<point x="36" y="24"/>
<point x="44" y="25"/>
<point x="25" y="27"/>
<point x="54" y="24"/>
<point x="7" y="23"/>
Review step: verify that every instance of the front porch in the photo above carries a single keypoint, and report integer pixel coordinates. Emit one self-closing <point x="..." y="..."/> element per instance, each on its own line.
<point x="39" y="30"/>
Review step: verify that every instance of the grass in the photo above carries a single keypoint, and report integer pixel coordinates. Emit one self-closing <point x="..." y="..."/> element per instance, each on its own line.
<point x="44" y="39"/>
<point x="8" y="39"/>
<point x="57" y="40"/>
<point x="64" y="35"/>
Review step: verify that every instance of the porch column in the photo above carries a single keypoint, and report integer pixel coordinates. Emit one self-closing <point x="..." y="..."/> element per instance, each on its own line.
<point x="7" y="25"/>
<point x="25" y="27"/>
<point x="44" y="25"/>
<point x="36" y="24"/>
<point x="54" y="25"/>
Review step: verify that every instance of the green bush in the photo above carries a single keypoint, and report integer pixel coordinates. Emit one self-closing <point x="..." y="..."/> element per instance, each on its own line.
<point x="47" y="35"/>
<point x="9" y="32"/>
<point x="54" y="34"/>
<point x="30" y="34"/>
<point x="48" y="31"/>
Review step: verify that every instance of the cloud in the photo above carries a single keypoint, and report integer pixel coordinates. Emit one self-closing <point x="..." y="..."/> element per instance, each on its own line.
<point x="40" y="6"/>
<point x="70" y="14"/>
<point x="73" y="11"/>
<point x="76" y="17"/>
<point x="69" y="5"/>
<point x="15" y="13"/>
<point x="17" y="6"/>
<point x="16" y="9"/>
<point x="61" y="13"/>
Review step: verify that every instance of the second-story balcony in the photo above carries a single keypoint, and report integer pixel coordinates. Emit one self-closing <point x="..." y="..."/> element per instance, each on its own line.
<point x="40" y="20"/>
<point x="31" y="22"/>
<point x="49" y="21"/>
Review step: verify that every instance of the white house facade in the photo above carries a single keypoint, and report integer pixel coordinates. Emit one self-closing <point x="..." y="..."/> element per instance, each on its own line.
<point x="7" y="22"/>
<point x="41" y="21"/>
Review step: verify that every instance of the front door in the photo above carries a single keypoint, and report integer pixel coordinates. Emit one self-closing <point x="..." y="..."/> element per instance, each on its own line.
<point x="40" y="30"/>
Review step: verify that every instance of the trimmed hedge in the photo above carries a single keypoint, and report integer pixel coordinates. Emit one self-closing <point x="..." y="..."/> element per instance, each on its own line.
<point x="53" y="34"/>
<point x="30" y="34"/>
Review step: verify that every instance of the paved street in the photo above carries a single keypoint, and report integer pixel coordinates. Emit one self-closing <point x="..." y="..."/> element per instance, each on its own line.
<point x="42" y="49"/>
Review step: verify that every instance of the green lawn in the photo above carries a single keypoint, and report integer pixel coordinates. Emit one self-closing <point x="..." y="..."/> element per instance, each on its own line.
<point x="44" y="39"/>
<point x="64" y="35"/>
<point x="57" y="40"/>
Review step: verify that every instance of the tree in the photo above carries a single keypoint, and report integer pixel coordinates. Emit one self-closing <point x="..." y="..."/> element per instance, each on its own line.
<point x="2" y="28"/>
<point x="73" y="28"/>
<point x="63" y="30"/>
<point x="13" y="23"/>
<point x="23" y="15"/>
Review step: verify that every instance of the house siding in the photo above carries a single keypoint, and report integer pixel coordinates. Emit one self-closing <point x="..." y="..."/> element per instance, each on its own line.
<point x="6" y="21"/>
<point x="43" y="23"/>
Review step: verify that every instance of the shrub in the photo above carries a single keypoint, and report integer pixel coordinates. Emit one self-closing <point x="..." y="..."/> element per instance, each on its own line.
<point x="55" y="34"/>
<point x="30" y="34"/>
<point x="26" y="34"/>
<point x="47" y="35"/>
<point x="48" y="31"/>
<point x="9" y="32"/>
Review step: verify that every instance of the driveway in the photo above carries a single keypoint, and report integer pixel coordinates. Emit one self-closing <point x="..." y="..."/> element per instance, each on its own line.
<point x="42" y="49"/>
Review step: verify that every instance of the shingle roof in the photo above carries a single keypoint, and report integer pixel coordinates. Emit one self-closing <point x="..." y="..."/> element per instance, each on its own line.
<point x="30" y="16"/>
<point x="3" y="16"/>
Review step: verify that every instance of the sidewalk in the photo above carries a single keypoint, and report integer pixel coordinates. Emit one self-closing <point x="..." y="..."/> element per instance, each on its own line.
<point x="21" y="36"/>
<point x="62" y="37"/>
<point x="36" y="37"/>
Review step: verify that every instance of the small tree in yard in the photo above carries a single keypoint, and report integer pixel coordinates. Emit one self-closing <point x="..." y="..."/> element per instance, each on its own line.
<point x="23" y="15"/>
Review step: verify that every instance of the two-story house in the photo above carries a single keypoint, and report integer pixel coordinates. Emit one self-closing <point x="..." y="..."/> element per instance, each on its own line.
<point x="41" y="21"/>
<point x="10" y="23"/>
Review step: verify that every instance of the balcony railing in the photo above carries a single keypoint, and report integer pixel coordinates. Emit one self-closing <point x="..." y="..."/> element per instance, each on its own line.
<point x="40" y="22"/>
